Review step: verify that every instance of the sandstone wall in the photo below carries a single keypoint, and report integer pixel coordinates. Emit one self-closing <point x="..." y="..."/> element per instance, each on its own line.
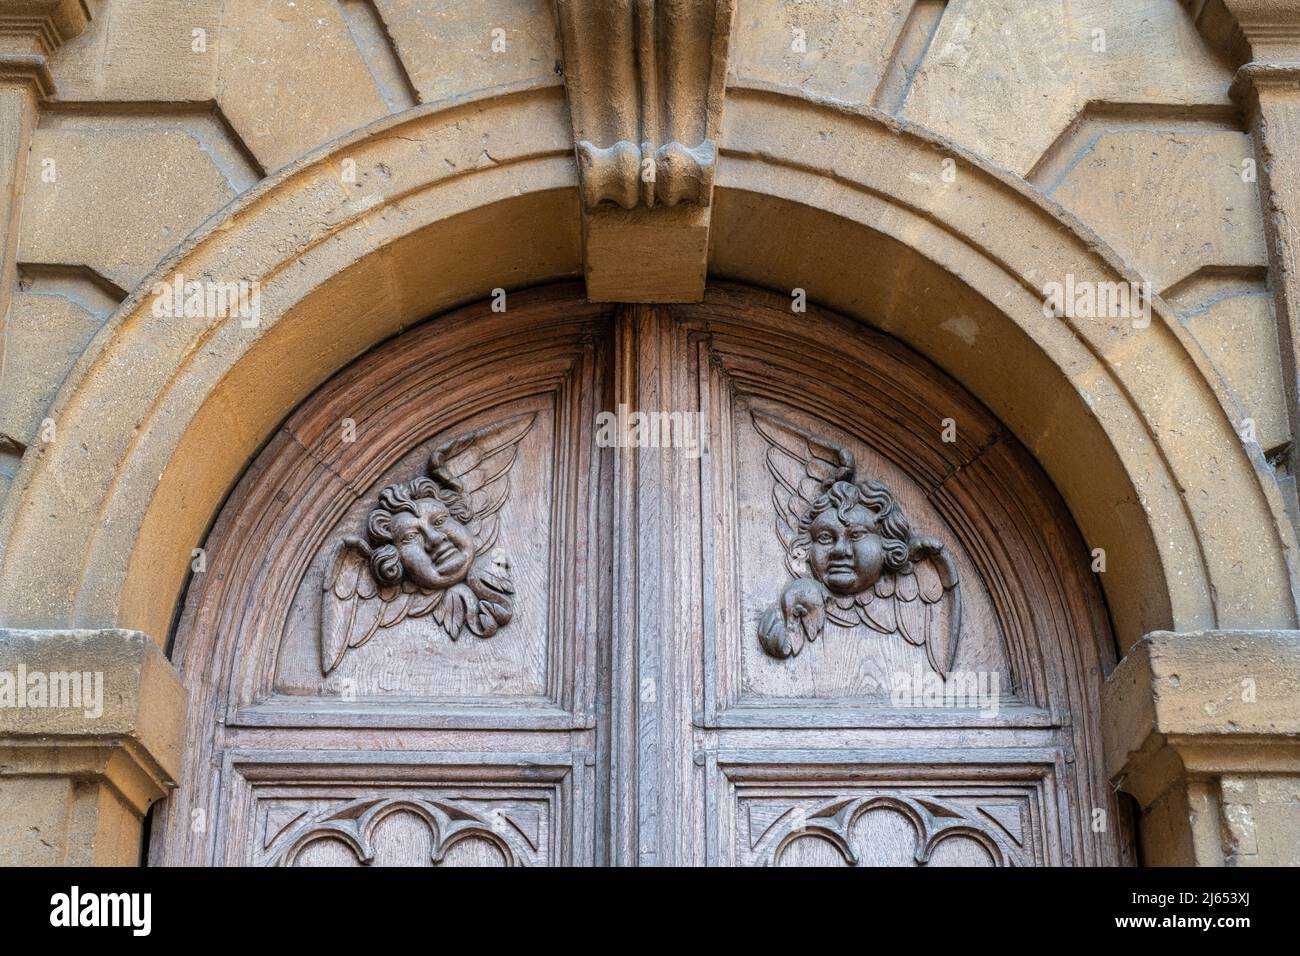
<point x="166" y="111"/>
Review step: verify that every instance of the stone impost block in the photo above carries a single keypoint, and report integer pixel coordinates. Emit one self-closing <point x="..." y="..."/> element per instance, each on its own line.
<point x="1203" y="729"/>
<point x="91" y="725"/>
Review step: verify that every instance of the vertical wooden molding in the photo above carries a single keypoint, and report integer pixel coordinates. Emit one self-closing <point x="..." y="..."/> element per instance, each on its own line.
<point x="645" y="81"/>
<point x="656" y="506"/>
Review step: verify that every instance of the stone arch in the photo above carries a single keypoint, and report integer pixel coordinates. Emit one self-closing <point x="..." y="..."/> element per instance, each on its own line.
<point x="160" y="416"/>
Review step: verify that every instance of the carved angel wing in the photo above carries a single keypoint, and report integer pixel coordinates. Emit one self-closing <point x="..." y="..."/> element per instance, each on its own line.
<point x="478" y="465"/>
<point x="922" y="605"/>
<point x="802" y="466"/>
<point x="354" y="608"/>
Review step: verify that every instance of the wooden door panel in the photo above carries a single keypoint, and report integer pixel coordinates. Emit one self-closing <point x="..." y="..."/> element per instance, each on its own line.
<point x="805" y="811"/>
<point x="417" y="658"/>
<point x="300" y="808"/>
<point x="442" y="622"/>
<point x="399" y="627"/>
<point x="837" y="718"/>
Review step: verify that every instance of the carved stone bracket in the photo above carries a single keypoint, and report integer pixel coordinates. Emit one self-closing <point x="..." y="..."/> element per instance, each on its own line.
<point x="645" y="82"/>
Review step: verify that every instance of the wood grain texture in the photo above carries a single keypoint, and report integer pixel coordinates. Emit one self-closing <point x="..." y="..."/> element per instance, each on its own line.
<point x="627" y="713"/>
<point x="1032" y="614"/>
<point x="247" y="640"/>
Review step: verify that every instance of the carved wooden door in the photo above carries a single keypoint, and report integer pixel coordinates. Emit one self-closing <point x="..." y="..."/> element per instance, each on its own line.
<point x="583" y="584"/>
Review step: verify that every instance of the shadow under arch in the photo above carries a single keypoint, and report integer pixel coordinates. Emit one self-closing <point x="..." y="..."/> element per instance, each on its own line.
<point x="160" y="416"/>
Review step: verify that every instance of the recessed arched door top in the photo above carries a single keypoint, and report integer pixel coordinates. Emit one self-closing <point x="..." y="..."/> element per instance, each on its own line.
<point x="574" y="583"/>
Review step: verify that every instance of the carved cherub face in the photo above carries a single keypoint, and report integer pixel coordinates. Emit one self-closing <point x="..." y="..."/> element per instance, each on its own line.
<point x="422" y="533"/>
<point x="852" y="534"/>
<point x="845" y="552"/>
<point x="435" y="548"/>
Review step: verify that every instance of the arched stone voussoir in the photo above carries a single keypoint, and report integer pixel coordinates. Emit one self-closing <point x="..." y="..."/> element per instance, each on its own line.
<point x="405" y="219"/>
<point x="914" y="235"/>
<point x="159" y="418"/>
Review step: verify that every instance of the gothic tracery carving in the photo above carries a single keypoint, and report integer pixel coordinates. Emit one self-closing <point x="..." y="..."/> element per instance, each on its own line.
<point x="932" y="821"/>
<point x="355" y="823"/>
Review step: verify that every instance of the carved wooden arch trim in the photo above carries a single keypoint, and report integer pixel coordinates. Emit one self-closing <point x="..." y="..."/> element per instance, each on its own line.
<point x="547" y="354"/>
<point x="990" y="492"/>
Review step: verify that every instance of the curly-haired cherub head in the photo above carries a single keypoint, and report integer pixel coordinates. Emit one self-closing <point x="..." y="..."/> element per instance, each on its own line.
<point x="852" y="534"/>
<point x="418" y="532"/>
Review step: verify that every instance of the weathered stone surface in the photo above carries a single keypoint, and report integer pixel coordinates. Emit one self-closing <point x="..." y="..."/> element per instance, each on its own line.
<point x="41" y="26"/>
<point x="447" y="49"/>
<point x="144" y="189"/>
<point x="291" y="77"/>
<point x="1217" y="683"/>
<point x="42" y="806"/>
<point x="842" y="50"/>
<point x="1270" y="93"/>
<point x="77" y="769"/>
<point x="142" y="699"/>
<point x="1239" y="333"/>
<point x="143" y="50"/>
<point x="1006" y="78"/>
<point x="1243" y="30"/>
<point x="45" y="334"/>
<point x="17" y="120"/>
<point x="1261" y="819"/>
<point x="1170" y="202"/>
<point x="641" y="255"/>
<point x="1204" y="730"/>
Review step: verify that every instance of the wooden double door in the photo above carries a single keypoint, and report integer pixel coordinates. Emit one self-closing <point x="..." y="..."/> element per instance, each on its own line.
<point x="587" y="584"/>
